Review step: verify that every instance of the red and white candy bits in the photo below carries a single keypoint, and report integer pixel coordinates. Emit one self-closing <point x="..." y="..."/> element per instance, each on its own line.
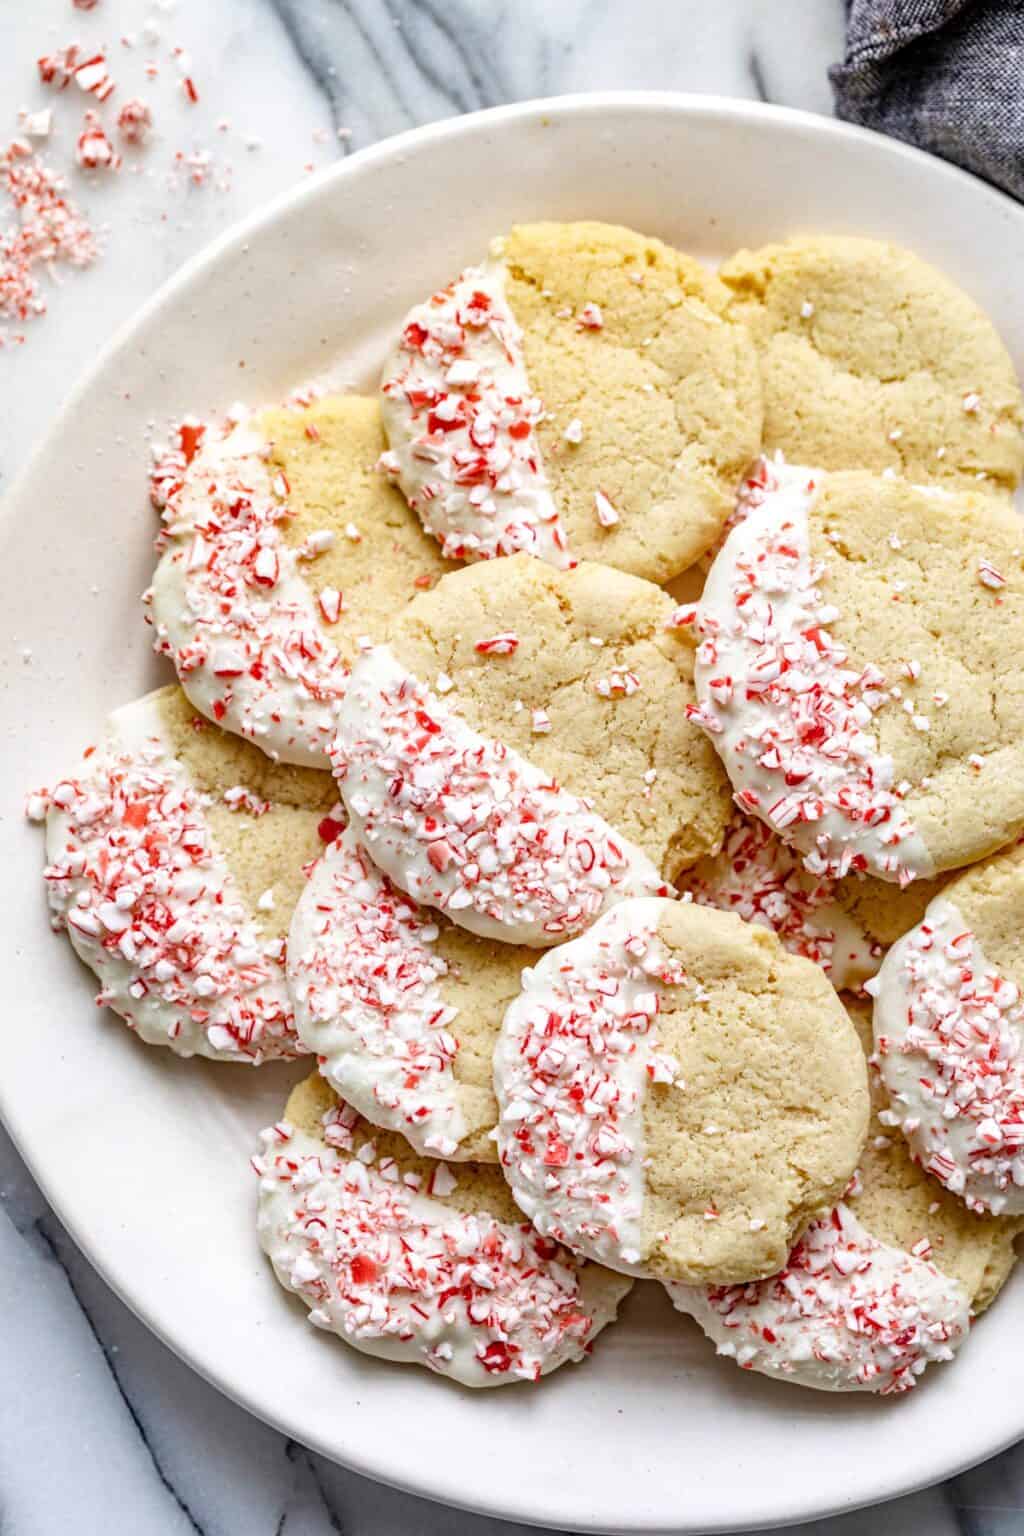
<point x="461" y="822"/>
<point x="229" y="606"/>
<point x="365" y="973"/>
<point x="150" y="905"/>
<point x="787" y="714"/>
<point x="383" y="1261"/>
<point x="847" y="1314"/>
<point x="461" y="424"/>
<point x="577" y="1050"/>
<point x="949" y="1040"/>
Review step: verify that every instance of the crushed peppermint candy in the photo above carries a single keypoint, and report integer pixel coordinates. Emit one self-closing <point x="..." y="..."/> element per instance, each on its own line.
<point x="620" y="683"/>
<point x="989" y="576"/>
<point x="461" y="423"/>
<point x="365" y="973"/>
<point x="241" y="625"/>
<point x="461" y="822"/>
<point x="93" y="150"/>
<point x="949" y="1044"/>
<point x="498" y="645"/>
<point x="848" y="1313"/>
<point x="763" y="881"/>
<point x="604" y="511"/>
<point x="394" y="1271"/>
<point x="149" y="903"/>
<point x="788" y="716"/>
<point x="49" y="232"/>
<point x="134" y="121"/>
<point x="577" y="1050"/>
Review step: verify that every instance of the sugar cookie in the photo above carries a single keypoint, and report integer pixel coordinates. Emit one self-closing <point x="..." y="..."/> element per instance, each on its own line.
<point x="282" y="547"/>
<point x="175" y="856"/>
<point x="871" y="359"/>
<point x="858" y="675"/>
<point x="504" y="678"/>
<point x="408" y="1260"/>
<point x="679" y="1096"/>
<point x="576" y="396"/>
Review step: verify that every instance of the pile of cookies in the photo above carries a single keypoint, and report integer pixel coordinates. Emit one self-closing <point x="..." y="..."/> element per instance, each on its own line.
<point x="629" y="932"/>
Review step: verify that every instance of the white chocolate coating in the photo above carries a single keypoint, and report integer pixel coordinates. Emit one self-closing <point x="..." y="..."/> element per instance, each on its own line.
<point x="847" y="1314"/>
<point x="571" y="1067"/>
<point x="150" y="905"/>
<point x="396" y="1272"/>
<point x="230" y="606"/>
<point x="461" y="423"/>
<point x="789" y="718"/>
<point x="465" y="824"/>
<point x="364" y="973"/>
<point x="949" y="1040"/>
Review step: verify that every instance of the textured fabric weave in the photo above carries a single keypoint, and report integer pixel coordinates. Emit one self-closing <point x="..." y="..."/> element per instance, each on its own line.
<point x="946" y="75"/>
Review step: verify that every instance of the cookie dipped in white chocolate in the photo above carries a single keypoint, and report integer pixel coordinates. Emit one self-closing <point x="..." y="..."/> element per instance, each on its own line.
<point x="140" y="876"/>
<point x="679" y="1096"/>
<point x="282" y="549"/>
<point x="949" y="1041"/>
<point x="790" y="718"/>
<point x="847" y="1313"/>
<point x="411" y="1261"/>
<point x="576" y="396"/>
<point x="229" y="604"/>
<point x="465" y="824"/>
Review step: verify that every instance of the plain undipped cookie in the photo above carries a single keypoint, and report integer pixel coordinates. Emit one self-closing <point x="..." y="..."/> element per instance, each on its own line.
<point x="872" y="359"/>
<point x="282" y="548"/>
<point x="679" y="1095"/>
<point x="175" y="857"/>
<point x="407" y="1259"/>
<point x="400" y="1005"/>
<point x="617" y="403"/>
<point x="859" y="672"/>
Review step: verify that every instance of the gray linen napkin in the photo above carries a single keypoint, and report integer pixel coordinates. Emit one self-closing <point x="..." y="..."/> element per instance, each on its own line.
<point x="946" y="75"/>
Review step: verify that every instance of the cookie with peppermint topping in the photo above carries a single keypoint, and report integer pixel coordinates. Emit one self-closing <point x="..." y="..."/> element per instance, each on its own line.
<point x="282" y="547"/>
<point x="872" y="359"/>
<point x="577" y="395"/>
<point x="518" y="754"/>
<point x="856" y="671"/>
<point x="409" y="1260"/>
<point x="949" y="1035"/>
<point x="874" y="1292"/>
<point x="401" y="1006"/>
<point x="679" y="1095"/>
<point x="175" y="856"/>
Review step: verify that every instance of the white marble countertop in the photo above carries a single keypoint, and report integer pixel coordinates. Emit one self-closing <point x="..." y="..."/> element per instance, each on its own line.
<point x="101" y="1428"/>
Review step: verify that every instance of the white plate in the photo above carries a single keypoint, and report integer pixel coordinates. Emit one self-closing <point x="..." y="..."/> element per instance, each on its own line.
<point x="145" y="1157"/>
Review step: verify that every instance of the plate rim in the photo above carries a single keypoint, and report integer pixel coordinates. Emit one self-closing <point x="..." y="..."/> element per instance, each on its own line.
<point x="237" y="235"/>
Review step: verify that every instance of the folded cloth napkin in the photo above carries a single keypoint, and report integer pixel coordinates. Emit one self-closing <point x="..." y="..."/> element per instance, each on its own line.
<point x="946" y="75"/>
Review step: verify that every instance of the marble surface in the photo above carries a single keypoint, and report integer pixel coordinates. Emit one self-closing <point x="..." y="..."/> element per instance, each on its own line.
<point x="101" y="1427"/>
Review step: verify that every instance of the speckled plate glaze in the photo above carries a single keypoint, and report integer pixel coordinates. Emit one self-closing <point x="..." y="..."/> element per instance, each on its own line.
<point x="146" y="1157"/>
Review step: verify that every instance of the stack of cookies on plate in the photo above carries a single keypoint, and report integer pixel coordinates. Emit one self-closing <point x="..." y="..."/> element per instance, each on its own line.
<point x="627" y="935"/>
